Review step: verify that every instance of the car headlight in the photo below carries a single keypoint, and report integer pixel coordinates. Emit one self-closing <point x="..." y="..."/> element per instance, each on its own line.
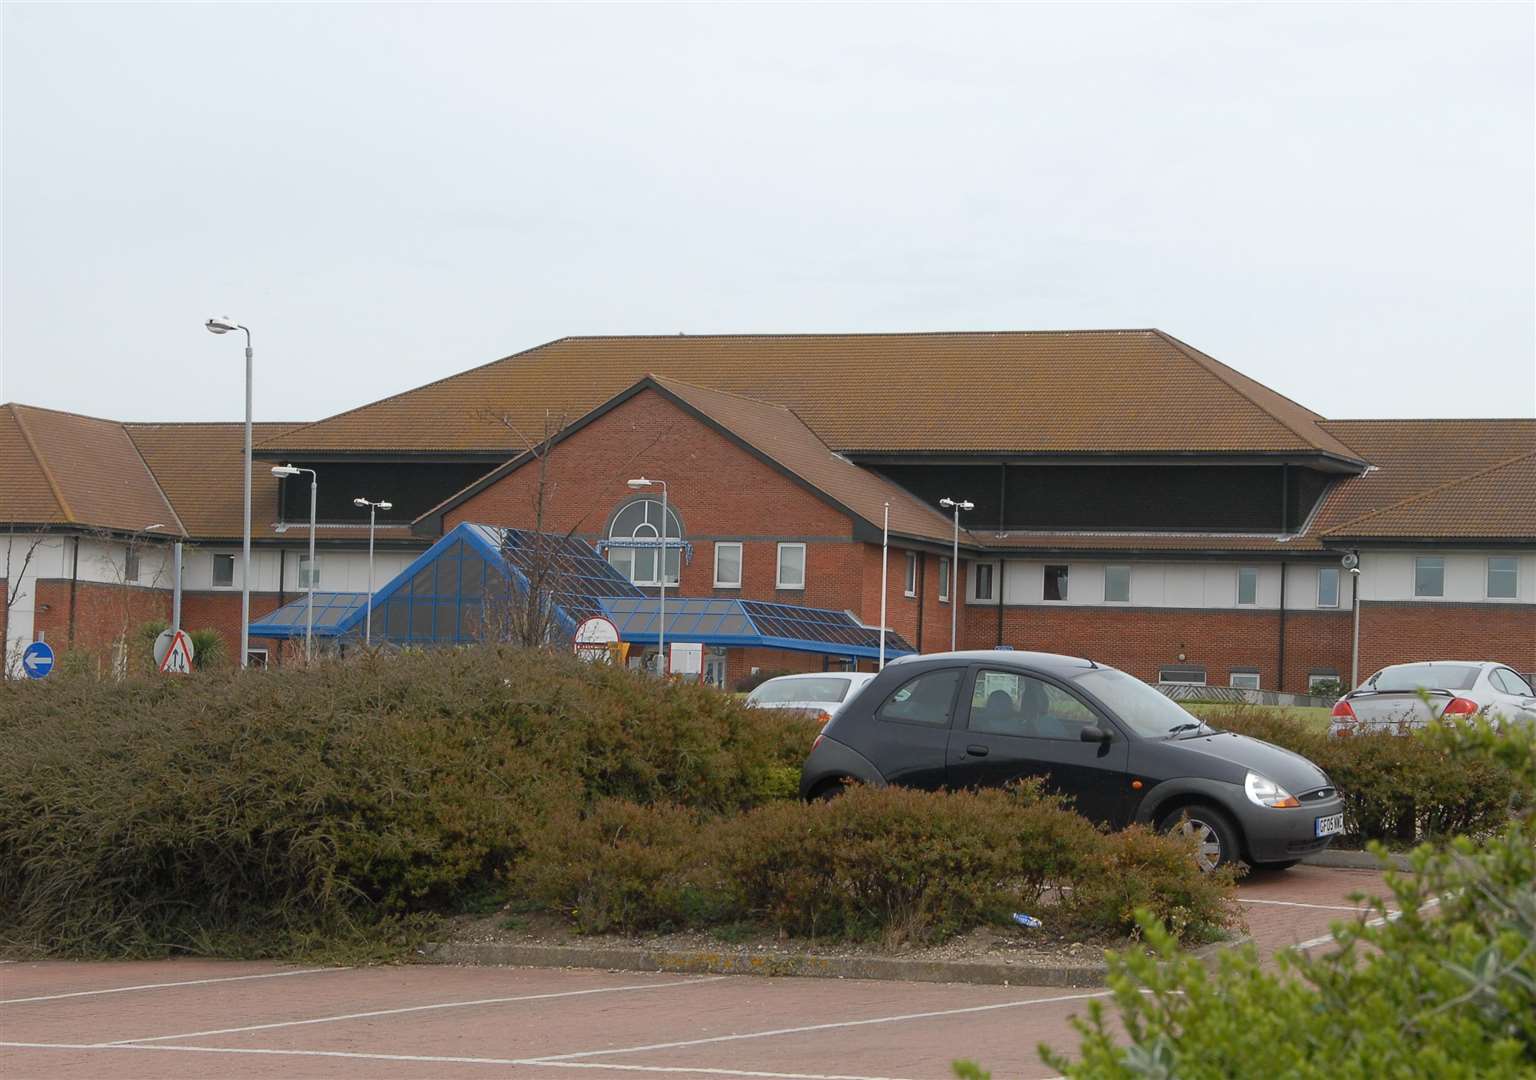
<point x="1262" y="791"/>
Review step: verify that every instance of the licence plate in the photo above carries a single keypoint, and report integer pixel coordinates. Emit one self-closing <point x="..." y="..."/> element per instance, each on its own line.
<point x="1330" y="825"/>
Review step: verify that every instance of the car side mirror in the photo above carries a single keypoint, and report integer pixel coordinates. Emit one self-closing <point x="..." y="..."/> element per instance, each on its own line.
<point x="1094" y="733"/>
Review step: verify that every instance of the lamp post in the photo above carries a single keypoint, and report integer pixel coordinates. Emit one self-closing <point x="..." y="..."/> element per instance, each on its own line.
<point x="281" y="471"/>
<point x="661" y="623"/>
<point x="954" y="567"/>
<point x="373" y="509"/>
<point x="223" y="326"/>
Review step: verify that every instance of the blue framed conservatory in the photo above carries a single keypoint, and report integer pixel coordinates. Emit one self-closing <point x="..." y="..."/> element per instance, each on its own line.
<point x="462" y="589"/>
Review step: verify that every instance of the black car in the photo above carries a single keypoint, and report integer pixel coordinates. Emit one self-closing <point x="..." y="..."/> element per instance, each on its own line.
<point x="1122" y="751"/>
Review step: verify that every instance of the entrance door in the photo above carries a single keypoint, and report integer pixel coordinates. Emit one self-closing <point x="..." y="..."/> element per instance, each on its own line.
<point x="714" y="668"/>
<point x="1020" y="726"/>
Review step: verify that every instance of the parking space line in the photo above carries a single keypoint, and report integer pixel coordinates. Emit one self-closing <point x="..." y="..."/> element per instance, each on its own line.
<point x="1391" y="916"/>
<point x="168" y="985"/>
<point x="1299" y="904"/>
<point x="414" y="1009"/>
<point x="440" y="1059"/>
<point x="836" y="1025"/>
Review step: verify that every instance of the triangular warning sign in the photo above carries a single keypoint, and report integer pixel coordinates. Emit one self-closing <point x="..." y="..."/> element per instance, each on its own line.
<point x="178" y="659"/>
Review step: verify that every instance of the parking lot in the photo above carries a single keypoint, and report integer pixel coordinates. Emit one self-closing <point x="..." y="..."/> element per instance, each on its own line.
<point x="194" y="1018"/>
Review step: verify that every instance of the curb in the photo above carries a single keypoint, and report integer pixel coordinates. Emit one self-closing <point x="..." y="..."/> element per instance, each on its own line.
<point x="1356" y="860"/>
<point x="802" y="965"/>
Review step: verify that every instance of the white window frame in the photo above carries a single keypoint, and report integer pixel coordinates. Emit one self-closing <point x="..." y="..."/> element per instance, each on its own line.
<point x="778" y="574"/>
<point x="1205" y="675"/>
<point x="1315" y="677"/>
<point x="980" y="570"/>
<point x="1067" y="580"/>
<point x="1241" y="570"/>
<point x="305" y="571"/>
<point x="266" y="657"/>
<point x="1236" y="675"/>
<point x="130" y="565"/>
<point x="1116" y="566"/>
<point x="728" y="584"/>
<point x="945" y="584"/>
<point x="1338" y="586"/>
<point x="909" y="582"/>
<point x="1488" y="577"/>
<point x="233" y="570"/>
<point x="1428" y="596"/>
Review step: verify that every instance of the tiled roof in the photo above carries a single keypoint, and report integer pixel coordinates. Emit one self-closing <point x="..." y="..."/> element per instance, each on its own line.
<point x="66" y="469"/>
<point x="1113" y="391"/>
<point x="1498" y="502"/>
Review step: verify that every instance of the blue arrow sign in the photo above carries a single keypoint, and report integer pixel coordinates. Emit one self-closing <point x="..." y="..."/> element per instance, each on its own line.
<point x="37" y="659"/>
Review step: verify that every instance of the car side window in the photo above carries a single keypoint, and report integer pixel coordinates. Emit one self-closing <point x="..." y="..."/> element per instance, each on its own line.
<point x="928" y="698"/>
<point x="1007" y="703"/>
<point x="1510" y="682"/>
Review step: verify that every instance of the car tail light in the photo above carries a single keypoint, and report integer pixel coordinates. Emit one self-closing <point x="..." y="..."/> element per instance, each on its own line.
<point x="1343" y="710"/>
<point x="1461" y="707"/>
<point x="817" y="743"/>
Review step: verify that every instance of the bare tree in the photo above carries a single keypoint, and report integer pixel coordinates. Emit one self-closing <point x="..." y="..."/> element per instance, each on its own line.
<point x="15" y="576"/>
<point x="128" y="599"/>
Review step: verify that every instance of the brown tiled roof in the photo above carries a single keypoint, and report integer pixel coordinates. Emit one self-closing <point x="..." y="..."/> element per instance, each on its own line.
<point x="77" y="470"/>
<point x="1115" y="391"/>
<point x="1498" y="502"/>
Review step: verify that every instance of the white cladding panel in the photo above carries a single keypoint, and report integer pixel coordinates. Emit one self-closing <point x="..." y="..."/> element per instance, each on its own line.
<point x="1389" y="575"/>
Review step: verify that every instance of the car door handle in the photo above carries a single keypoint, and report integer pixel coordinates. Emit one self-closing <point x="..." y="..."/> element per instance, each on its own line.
<point x="976" y="750"/>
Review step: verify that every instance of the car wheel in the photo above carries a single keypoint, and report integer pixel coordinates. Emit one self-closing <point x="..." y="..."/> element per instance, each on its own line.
<point x="1284" y="864"/>
<point x="828" y="790"/>
<point x="1216" y="842"/>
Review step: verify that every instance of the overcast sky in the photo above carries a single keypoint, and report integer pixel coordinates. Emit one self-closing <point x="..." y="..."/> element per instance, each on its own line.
<point x="1339" y="200"/>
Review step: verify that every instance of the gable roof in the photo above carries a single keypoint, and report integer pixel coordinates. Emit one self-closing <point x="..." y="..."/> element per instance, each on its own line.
<point x="62" y="468"/>
<point x="1046" y="392"/>
<point x="1497" y="503"/>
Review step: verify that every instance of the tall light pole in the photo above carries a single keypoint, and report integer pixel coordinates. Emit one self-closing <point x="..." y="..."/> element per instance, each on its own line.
<point x="223" y="326"/>
<point x="373" y="509"/>
<point x="885" y="551"/>
<point x="661" y="624"/>
<point x="281" y="471"/>
<point x="954" y="567"/>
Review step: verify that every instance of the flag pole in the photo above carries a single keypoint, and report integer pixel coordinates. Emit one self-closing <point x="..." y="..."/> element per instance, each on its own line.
<point x="885" y="548"/>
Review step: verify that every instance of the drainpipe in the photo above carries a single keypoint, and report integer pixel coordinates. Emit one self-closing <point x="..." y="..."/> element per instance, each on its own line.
<point x="1002" y="574"/>
<point x="74" y="578"/>
<point x="922" y="573"/>
<point x="1280" y="674"/>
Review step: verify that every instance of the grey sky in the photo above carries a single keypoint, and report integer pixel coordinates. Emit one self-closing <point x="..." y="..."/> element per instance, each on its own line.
<point x="1339" y="200"/>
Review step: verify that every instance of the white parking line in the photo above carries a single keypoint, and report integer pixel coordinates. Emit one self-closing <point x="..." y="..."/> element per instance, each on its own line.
<point x="553" y="1059"/>
<point x="1391" y="916"/>
<point x="439" y="1059"/>
<point x="1296" y="903"/>
<point x="412" y="1009"/>
<point x="168" y="985"/>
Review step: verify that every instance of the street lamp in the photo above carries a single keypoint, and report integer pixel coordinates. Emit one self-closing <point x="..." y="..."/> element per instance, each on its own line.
<point x="223" y="326"/>
<point x="661" y="625"/>
<point x="281" y="471"/>
<point x="954" y="566"/>
<point x="373" y="509"/>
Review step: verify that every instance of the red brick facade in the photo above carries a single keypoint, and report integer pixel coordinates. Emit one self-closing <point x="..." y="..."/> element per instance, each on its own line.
<point x="1394" y="633"/>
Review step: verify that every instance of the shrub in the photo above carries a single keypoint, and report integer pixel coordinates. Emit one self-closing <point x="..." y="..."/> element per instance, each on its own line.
<point x="1140" y="871"/>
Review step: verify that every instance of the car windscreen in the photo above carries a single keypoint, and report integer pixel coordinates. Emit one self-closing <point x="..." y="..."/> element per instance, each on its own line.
<point x="794" y="691"/>
<point x="1424" y="677"/>
<point x="1134" y="703"/>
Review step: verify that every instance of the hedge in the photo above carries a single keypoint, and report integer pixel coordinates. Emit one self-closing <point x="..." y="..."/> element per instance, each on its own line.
<point x="1396" y="788"/>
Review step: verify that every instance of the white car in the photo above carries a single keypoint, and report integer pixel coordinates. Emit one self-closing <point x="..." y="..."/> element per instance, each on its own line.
<point x="819" y="692"/>
<point x="1403" y="697"/>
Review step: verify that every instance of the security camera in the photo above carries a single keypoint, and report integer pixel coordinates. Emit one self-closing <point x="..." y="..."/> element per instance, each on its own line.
<point x="1351" y="560"/>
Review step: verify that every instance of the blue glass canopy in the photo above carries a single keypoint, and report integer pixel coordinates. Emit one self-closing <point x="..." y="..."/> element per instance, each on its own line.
<point x="442" y="597"/>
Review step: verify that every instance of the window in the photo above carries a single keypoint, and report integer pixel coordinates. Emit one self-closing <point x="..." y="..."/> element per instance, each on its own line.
<point x="1247" y="587"/>
<point x="911" y="579"/>
<point x="791" y="566"/>
<point x="1503" y="577"/>
<point x="1055" y="582"/>
<point x="309" y="575"/>
<point x="223" y="571"/>
<point x="926" y="699"/>
<point x="1244" y="680"/>
<point x="634" y="542"/>
<point x="130" y="565"/>
<point x="1007" y="703"/>
<point x="256" y="658"/>
<point x="1509" y="681"/>
<point x="1325" y="682"/>
<point x="1328" y="586"/>
<point x="727" y="566"/>
<point x="1429" y="575"/>
<point x="943" y="579"/>
<point x="1188" y="676"/>
<point x="1117" y="584"/>
<point x="983" y="575"/>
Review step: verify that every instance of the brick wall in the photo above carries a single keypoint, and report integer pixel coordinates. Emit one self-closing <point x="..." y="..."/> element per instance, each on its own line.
<point x="103" y="614"/>
<point x="1398" y="633"/>
<point x="220" y="611"/>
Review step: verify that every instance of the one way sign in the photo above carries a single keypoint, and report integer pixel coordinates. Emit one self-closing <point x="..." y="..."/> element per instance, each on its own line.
<point x="177" y="656"/>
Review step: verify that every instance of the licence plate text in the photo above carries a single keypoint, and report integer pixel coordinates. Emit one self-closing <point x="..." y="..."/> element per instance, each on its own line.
<point x="1330" y="825"/>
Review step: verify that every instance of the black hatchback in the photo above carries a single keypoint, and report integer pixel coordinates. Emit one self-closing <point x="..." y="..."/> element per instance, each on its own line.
<point x="1119" y="749"/>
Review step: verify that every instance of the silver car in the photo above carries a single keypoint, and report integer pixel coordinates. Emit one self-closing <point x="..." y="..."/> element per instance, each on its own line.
<point x="821" y="692"/>
<point x="1403" y="697"/>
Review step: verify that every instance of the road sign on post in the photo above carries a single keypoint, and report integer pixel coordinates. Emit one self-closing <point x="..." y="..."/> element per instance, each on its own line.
<point x="37" y="659"/>
<point x="595" y="638"/>
<point x="173" y="652"/>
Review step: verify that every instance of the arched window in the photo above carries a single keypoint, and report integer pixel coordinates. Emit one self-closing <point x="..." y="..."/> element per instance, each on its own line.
<point x="634" y="541"/>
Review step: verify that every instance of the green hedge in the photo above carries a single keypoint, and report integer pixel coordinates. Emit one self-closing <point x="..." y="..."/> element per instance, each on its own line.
<point x="1396" y="788"/>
